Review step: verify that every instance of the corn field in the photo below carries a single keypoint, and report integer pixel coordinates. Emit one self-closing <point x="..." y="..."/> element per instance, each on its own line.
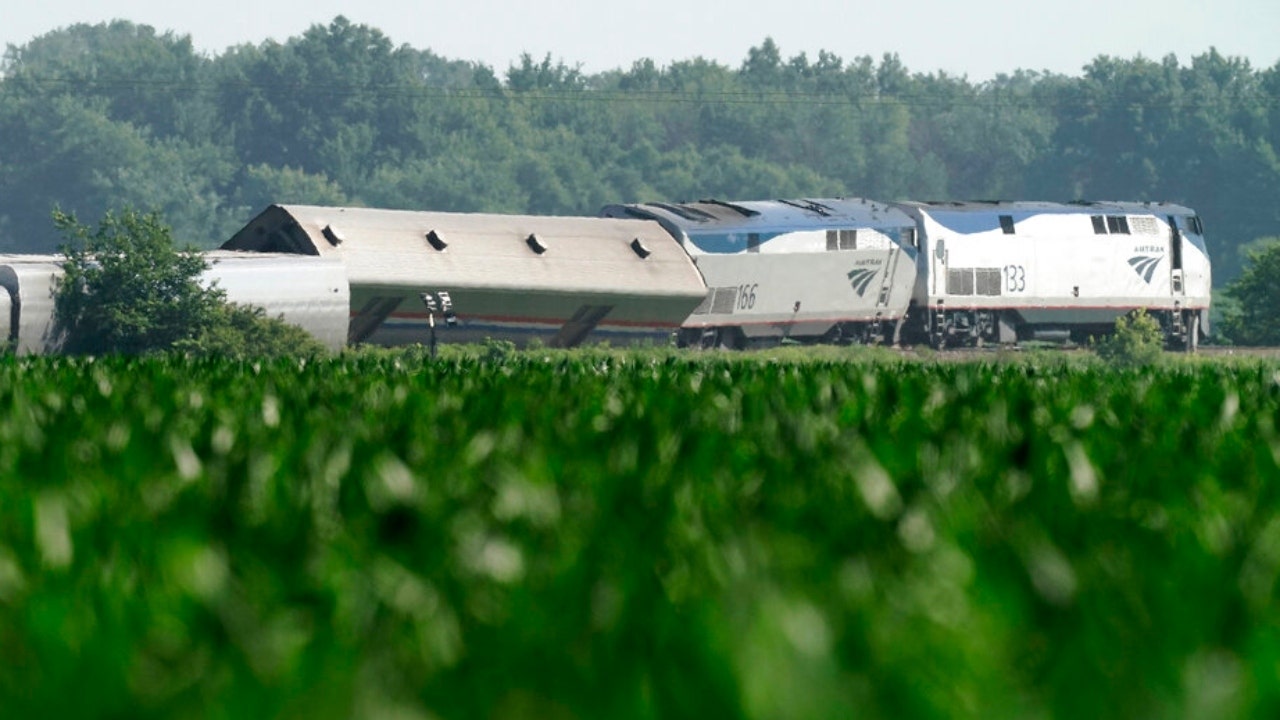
<point x="638" y="536"/>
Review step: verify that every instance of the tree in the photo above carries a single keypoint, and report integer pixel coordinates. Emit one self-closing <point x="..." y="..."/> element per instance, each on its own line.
<point x="1252" y="317"/>
<point x="126" y="289"/>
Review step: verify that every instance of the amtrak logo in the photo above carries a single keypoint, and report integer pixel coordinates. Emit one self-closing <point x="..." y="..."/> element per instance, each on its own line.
<point x="860" y="278"/>
<point x="1145" y="266"/>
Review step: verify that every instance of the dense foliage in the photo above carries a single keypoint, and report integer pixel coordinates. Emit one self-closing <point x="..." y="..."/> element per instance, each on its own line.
<point x="1252" y="316"/>
<point x="126" y="289"/>
<point x="114" y="115"/>
<point x="635" y="537"/>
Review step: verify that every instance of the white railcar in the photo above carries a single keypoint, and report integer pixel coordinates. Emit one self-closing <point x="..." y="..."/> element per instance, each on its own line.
<point x="834" y="270"/>
<point x="1010" y="271"/>
<point x="561" y="280"/>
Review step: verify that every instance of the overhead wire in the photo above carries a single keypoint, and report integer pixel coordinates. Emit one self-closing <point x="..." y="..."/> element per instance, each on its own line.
<point x="980" y="97"/>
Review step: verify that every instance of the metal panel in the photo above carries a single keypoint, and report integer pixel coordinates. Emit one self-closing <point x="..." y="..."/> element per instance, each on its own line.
<point x="307" y="291"/>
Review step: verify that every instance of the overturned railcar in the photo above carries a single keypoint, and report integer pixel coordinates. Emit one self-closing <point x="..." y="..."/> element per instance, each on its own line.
<point x="828" y="270"/>
<point x="1014" y="271"/>
<point x="312" y="294"/>
<point x="563" y="280"/>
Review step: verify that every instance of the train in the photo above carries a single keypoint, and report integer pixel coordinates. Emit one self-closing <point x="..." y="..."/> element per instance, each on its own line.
<point x="946" y="274"/>
<point x="711" y="273"/>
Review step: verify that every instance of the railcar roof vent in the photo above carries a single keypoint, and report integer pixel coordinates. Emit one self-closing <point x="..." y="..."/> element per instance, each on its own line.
<point x="810" y="205"/>
<point x="688" y="213"/>
<point x="331" y="234"/>
<point x="436" y="241"/>
<point x="535" y="243"/>
<point x="640" y="248"/>
<point x="741" y="210"/>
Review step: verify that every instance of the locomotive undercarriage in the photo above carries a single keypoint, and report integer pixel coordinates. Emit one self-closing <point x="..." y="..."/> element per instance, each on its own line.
<point x="875" y="332"/>
<point x="942" y="328"/>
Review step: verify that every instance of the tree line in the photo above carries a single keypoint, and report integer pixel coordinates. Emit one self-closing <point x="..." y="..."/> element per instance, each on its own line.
<point x="96" y="117"/>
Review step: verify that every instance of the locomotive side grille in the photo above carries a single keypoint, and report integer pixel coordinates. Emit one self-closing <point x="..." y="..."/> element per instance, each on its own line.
<point x="1144" y="226"/>
<point x="987" y="281"/>
<point x="960" y="281"/>
<point x="726" y="298"/>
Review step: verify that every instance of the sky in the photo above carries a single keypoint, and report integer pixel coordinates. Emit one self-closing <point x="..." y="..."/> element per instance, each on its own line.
<point x="974" y="38"/>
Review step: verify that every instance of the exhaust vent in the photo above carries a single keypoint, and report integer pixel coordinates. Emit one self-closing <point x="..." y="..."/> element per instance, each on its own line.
<point x="331" y="234"/>
<point x="640" y="249"/>
<point x="436" y="241"/>
<point x="535" y="243"/>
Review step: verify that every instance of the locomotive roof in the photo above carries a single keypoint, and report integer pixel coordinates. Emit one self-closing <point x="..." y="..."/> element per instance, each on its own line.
<point x="766" y="214"/>
<point x="1082" y="207"/>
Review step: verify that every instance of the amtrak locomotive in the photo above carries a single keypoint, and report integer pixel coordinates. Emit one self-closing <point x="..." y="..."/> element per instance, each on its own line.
<point x="808" y="270"/>
<point x="951" y="274"/>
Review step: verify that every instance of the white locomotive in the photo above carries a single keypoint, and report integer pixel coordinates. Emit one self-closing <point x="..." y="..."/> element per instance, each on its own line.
<point x="1010" y="271"/>
<point x="808" y="270"/>
<point x="944" y="273"/>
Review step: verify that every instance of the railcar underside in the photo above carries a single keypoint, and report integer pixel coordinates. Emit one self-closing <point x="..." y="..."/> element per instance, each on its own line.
<point x="942" y="327"/>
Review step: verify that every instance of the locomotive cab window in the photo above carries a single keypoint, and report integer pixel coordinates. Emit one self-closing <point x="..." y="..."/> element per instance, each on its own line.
<point x="909" y="238"/>
<point x="1006" y="224"/>
<point x="842" y="240"/>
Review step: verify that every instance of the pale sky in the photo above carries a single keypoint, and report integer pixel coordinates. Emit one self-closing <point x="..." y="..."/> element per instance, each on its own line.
<point x="975" y="38"/>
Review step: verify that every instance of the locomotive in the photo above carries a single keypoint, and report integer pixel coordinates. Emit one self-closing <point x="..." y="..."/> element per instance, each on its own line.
<point x="837" y="270"/>
<point x="977" y="272"/>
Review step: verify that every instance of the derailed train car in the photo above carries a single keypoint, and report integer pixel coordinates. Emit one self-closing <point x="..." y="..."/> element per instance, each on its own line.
<point x="1013" y="271"/>
<point x="560" y="279"/>
<point x="829" y="270"/>
<point x="311" y="293"/>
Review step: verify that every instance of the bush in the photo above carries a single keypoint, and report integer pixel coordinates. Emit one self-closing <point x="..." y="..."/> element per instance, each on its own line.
<point x="1138" y="340"/>
<point x="126" y="289"/>
<point x="241" y="331"/>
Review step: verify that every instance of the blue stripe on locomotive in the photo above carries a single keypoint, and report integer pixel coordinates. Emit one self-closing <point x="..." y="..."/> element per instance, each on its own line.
<point x="728" y="243"/>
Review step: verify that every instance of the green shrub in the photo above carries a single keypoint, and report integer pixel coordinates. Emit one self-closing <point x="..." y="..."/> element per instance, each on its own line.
<point x="1138" y="340"/>
<point x="240" y="331"/>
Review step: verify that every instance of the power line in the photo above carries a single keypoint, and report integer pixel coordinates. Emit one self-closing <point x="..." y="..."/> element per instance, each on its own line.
<point x="987" y="99"/>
